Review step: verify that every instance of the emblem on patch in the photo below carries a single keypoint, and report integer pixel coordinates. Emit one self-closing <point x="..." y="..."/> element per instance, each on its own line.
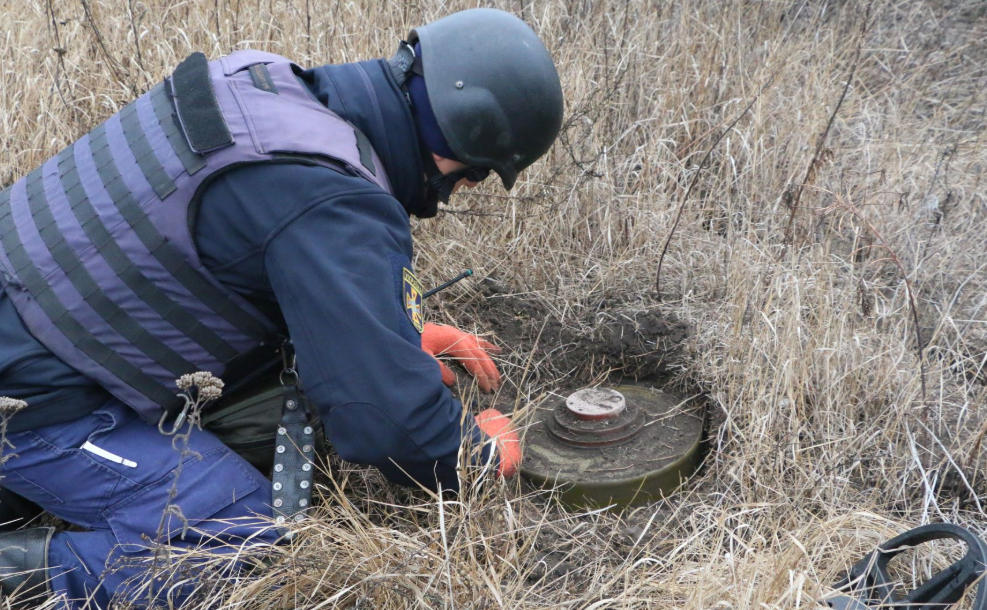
<point x="413" y="292"/>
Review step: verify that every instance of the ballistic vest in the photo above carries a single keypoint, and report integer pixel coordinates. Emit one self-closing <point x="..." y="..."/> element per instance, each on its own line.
<point x="97" y="250"/>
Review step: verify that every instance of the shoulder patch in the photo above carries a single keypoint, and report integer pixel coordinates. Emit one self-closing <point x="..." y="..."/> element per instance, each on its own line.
<point x="413" y="292"/>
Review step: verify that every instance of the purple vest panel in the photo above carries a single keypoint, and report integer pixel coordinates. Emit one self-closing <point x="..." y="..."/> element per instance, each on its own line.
<point x="95" y="245"/>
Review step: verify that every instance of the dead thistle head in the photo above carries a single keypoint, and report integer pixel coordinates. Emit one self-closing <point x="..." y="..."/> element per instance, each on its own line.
<point x="9" y="406"/>
<point x="207" y="386"/>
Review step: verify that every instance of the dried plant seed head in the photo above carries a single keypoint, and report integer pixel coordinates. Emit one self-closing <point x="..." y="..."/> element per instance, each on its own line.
<point x="9" y="406"/>
<point x="209" y="386"/>
<point x="210" y="392"/>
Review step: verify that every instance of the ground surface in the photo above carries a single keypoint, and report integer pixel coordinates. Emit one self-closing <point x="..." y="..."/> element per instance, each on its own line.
<point x="851" y="186"/>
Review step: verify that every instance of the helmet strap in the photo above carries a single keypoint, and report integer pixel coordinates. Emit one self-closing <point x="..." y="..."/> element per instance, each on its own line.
<point x="405" y="63"/>
<point x="402" y="62"/>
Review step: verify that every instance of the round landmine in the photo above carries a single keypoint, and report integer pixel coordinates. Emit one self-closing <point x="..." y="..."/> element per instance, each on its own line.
<point x="626" y="445"/>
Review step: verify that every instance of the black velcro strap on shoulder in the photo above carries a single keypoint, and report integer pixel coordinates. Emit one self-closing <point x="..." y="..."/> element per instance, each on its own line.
<point x="196" y="105"/>
<point x="366" y="151"/>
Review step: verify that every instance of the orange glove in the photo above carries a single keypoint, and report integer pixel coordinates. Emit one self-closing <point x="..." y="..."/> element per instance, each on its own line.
<point x="498" y="426"/>
<point x="469" y="350"/>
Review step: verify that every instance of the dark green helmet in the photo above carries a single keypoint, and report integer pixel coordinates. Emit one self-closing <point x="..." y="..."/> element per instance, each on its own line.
<point x="493" y="88"/>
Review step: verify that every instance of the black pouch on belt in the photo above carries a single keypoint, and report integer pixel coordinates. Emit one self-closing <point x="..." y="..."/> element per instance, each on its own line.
<point x="247" y="421"/>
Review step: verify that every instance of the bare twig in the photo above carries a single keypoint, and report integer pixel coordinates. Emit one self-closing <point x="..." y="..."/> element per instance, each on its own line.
<point x="846" y="204"/>
<point x="118" y="72"/>
<point x="821" y="142"/>
<point x="198" y="389"/>
<point x="8" y="408"/>
<point x="219" y="31"/>
<point x="134" y="22"/>
<point x="60" y="51"/>
<point x="695" y="179"/>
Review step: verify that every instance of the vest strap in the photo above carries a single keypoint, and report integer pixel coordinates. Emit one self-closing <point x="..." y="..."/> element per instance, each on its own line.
<point x="126" y="270"/>
<point x="156" y="176"/>
<point x="366" y="150"/>
<point x="160" y="248"/>
<point x="36" y="285"/>
<point x="77" y="273"/>
<point x="198" y="111"/>
<point x="165" y="111"/>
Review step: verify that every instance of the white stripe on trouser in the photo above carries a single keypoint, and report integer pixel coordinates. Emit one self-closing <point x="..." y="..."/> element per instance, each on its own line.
<point x="106" y="455"/>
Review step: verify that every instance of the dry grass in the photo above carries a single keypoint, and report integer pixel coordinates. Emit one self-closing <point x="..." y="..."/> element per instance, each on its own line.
<point x="806" y="345"/>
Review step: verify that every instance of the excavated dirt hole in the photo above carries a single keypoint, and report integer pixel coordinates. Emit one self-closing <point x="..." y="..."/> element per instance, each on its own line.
<point x="612" y="344"/>
<point x="548" y="358"/>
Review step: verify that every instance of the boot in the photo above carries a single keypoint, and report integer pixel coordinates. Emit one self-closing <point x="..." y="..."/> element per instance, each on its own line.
<point x="24" y="565"/>
<point x="16" y="512"/>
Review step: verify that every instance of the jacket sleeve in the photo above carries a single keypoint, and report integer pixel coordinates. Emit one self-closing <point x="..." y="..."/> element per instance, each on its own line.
<point x="336" y="269"/>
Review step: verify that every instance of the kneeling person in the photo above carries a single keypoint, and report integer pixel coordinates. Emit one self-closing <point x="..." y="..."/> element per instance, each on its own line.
<point x="243" y="201"/>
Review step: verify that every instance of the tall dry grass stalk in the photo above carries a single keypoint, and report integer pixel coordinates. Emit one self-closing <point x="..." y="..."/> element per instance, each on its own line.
<point x="825" y="446"/>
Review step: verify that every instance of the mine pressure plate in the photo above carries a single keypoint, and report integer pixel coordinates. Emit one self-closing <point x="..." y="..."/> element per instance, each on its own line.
<point x="625" y="445"/>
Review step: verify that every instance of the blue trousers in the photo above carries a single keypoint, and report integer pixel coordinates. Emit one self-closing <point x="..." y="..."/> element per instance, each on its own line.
<point x="111" y="473"/>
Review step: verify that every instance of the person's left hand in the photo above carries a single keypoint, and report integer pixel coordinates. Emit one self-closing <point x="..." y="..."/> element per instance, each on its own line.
<point x="499" y="427"/>
<point x="469" y="350"/>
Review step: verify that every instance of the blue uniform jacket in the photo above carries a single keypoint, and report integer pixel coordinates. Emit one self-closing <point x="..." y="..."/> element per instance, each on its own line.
<point x="323" y="252"/>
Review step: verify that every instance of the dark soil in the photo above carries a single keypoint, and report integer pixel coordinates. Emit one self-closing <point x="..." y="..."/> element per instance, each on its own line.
<point x="620" y="341"/>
